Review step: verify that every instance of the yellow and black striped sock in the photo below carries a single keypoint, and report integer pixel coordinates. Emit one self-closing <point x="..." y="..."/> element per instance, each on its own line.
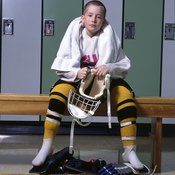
<point x="50" y="129"/>
<point x="127" y="114"/>
<point x="128" y="132"/>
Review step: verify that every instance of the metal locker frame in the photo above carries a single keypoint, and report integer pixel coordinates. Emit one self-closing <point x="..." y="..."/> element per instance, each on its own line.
<point x="168" y="61"/>
<point x="21" y="51"/>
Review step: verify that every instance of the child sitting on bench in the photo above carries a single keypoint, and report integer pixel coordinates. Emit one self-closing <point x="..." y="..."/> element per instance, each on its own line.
<point x="90" y="41"/>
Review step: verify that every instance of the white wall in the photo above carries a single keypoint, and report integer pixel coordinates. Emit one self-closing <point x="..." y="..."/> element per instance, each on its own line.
<point x="168" y="64"/>
<point x="21" y="59"/>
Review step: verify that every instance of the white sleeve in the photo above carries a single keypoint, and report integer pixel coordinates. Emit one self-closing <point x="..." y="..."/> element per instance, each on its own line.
<point x="68" y="76"/>
<point x="120" y="68"/>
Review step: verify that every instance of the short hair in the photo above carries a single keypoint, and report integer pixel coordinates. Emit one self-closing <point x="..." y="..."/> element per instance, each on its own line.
<point x="97" y="3"/>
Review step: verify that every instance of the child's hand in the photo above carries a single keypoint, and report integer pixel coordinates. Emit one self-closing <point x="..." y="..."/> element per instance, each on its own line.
<point x="82" y="73"/>
<point x="101" y="71"/>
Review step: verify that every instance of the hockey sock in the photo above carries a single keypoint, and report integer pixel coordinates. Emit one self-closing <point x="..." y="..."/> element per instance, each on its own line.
<point x="45" y="151"/>
<point x="127" y="114"/>
<point x="130" y="156"/>
<point x="128" y="133"/>
<point x="51" y="127"/>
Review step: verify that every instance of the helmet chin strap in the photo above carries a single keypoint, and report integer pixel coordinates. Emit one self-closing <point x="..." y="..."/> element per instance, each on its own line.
<point x="107" y="86"/>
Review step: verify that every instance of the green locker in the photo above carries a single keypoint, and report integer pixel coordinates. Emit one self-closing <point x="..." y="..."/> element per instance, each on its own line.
<point x="142" y="41"/>
<point x="61" y="12"/>
<point x="144" y="47"/>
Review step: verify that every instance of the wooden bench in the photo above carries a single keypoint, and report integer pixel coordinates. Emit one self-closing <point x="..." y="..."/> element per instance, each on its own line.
<point x="156" y="108"/>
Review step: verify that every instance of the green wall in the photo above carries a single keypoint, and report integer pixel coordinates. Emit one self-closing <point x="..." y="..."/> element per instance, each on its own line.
<point x="62" y="11"/>
<point x="145" y="50"/>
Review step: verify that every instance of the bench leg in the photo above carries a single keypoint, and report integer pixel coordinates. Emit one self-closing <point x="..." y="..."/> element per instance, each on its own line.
<point x="157" y="143"/>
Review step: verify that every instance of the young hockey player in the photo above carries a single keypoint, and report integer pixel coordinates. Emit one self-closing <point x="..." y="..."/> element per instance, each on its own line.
<point x="90" y="41"/>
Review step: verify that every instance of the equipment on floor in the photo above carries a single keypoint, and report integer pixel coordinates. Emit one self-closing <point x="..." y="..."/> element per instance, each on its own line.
<point x="77" y="166"/>
<point x="62" y="162"/>
<point x="53" y="163"/>
<point x="124" y="169"/>
<point x="113" y="168"/>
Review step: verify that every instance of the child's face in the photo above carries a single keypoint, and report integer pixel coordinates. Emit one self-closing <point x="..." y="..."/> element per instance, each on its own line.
<point x="93" y="19"/>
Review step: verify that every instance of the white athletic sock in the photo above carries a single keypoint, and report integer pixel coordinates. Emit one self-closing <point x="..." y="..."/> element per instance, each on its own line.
<point x="130" y="156"/>
<point x="45" y="151"/>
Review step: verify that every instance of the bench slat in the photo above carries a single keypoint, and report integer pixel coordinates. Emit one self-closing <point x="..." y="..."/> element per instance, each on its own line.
<point x="19" y="104"/>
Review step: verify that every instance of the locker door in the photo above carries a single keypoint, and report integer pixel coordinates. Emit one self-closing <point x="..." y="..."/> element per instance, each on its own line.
<point x="144" y="48"/>
<point x="168" y="62"/>
<point x="142" y="41"/>
<point x="62" y="13"/>
<point x="21" y="48"/>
